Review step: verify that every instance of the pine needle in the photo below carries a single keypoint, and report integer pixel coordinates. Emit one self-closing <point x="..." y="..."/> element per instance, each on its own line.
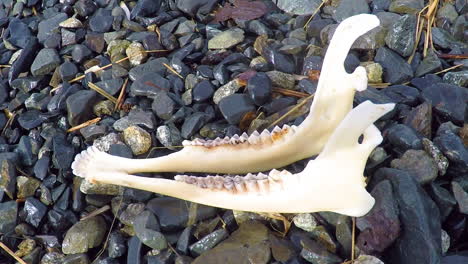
<point x="11" y="253"/>
<point x="291" y="111"/>
<point x="314" y="13"/>
<point x="288" y="92"/>
<point x="102" y="92"/>
<point x="97" y="212"/>
<point x="121" y="95"/>
<point x="85" y="124"/>
<point x="172" y="70"/>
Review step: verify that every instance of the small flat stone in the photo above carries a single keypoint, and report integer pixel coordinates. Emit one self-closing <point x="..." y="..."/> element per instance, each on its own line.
<point x="26" y="186"/>
<point x="402" y="35"/>
<point x="203" y="91"/>
<point x="226" y="90"/>
<point x="68" y="71"/>
<point x="259" y="88"/>
<point x="48" y="26"/>
<point x="163" y="105"/>
<point x="137" y="53"/>
<point x="312" y="251"/>
<point x="35" y="211"/>
<point x="406" y="6"/>
<point x="420" y="119"/>
<point x="137" y="139"/>
<point x="150" y="84"/>
<point x="452" y="147"/>
<point x="111" y="86"/>
<point x="146" y="228"/>
<point x="348" y="8"/>
<point x="461" y="196"/>
<point x="459" y="78"/>
<point x="192" y="124"/>
<point x="281" y="62"/>
<point x="396" y="70"/>
<point x="136" y="117"/>
<point x="429" y="64"/>
<point x="419" y="164"/>
<point x="117" y="246"/>
<point x="403" y="138"/>
<point x="305" y="221"/>
<point x="80" y="53"/>
<point x="84" y="235"/>
<point x="71" y="22"/>
<point x="8" y="177"/>
<point x="8" y="216"/>
<point x="80" y="106"/>
<point x="235" y="106"/>
<point x="448" y="101"/>
<point x="45" y="62"/>
<point x="208" y="242"/>
<point x="226" y="39"/>
<point x="100" y="22"/>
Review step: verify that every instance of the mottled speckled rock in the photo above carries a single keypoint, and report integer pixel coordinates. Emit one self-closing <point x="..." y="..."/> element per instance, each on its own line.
<point x="137" y="139"/>
<point x="226" y="39"/>
<point x="84" y="235"/>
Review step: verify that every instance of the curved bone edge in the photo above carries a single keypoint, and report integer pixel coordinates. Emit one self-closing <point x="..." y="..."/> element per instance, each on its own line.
<point x="332" y="182"/>
<point x="332" y="102"/>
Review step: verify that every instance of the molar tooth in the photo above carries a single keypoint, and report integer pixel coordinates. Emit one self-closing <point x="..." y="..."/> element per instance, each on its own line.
<point x="186" y="143"/>
<point x="249" y="177"/>
<point x="251" y="186"/>
<point x="275" y="175"/>
<point x="286" y="127"/>
<point x="244" y="137"/>
<point x="263" y="185"/>
<point x="228" y="183"/>
<point x="260" y="176"/>
<point x="265" y="136"/>
<point x="191" y="179"/>
<point x="218" y="182"/>
<point x="294" y="128"/>
<point x="180" y="178"/>
<point x="239" y="184"/>
<point x="209" y="181"/>
<point x="234" y="140"/>
<point x="217" y="141"/>
<point x="277" y="129"/>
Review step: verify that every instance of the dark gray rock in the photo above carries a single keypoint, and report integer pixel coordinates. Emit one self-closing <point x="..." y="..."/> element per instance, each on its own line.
<point x="35" y="211"/>
<point x="31" y="119"/>
<point x="85" y="8"/>
<point x="420" y="220"/>
<point x="403" y="138"/>
<point x="20" y="33"/>
<point x="145" y="8"/>
<point x="459" y="78"/>
<point x="101" y="22"/>
<point x="111" y="86"/>
<point x="80" y="53"/>
<point x="443" y="198"/>
<point x="202" y="91"/>
<point x="48" y="26"/>
<point x="348" y="8"/>
<point x="461" y="196"/>
<point x="208" y="242"/>
<point x="146" y="228"/>
<point x="381" y="226"/>
<point x="45" y="62"/>
<point x="419" y="164"/>
<point x="281" y="62"/>
<point x="134" y="250"/>
<point x="402" y="94"/>
<point x="449" y="101"/>
<point x="63" y="153"/>
<point x="150" y="84"/>
<point x="396" y="69"/>
<point x="402" y="35"/>
<point x="196" y="7"/>
<point x="163" y="105"/>
<point x="136" y="117"/>
<point x="41" y="167"/>
<point x="184" y="240"/>
<point x="259" y="88"/>
<point x="80" y="106"/>
<point x="234" y="107"/>
<point x="173" y="213"/>
<point x="314" y="252"/>
<point x="26" y="84"/>
<point x="452" y="147"/>
<point x="92" y="132"/>
<point x="193" y="124"/>
<point x="25" y="151"/>
<point x="424" y="82"/>
<point x="117" y="246"/>
<point x="68" y="71"/>
<point x="8" y="216"/>
<point x="429" y="64"/>
<point x="155" y="66"/>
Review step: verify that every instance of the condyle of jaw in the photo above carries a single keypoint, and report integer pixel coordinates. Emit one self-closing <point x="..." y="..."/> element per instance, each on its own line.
<point x="334" y="181"/>
<point x="265" y="150"/>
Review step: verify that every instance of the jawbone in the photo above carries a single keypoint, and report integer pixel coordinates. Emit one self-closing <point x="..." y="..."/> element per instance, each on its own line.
<point x="265" y="150"/>
<point x="333" y="182"/>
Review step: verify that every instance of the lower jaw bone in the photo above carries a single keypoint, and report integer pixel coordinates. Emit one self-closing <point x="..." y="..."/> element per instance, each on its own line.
<point x="334" y="181"/>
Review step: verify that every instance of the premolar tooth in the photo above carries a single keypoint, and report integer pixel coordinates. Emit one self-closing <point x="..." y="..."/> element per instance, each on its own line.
<point x="181" y="178"/>
<point x="265" y="136"/>
<point x="249" y="177"/>
<point x="286" y="127"/>
<point x="263" y="185"/>
<point x="228" y="183"/>
<point x="275" y="175"/>
<point x="244" y="137"/>
<point x="277" y="129"/>
<point x="251" y="185"/>
<point x="254" y="138"/>
<point x="235" y="139"/>
<point x="209" y="181"/>
<point x="201" y="182"/>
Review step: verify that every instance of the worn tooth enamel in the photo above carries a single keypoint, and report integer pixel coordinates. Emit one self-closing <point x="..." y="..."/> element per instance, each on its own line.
<point x="251" y="185"/>
<point x="180" y="178"/>
<point x="254" y="139"/>
<point x="201" y="182"/>
<point x="186" y="143"/>
<point x="228" y="183"/>
<point x="277" y="129"/>
<point x="191" y="179"/>
<point x="249" y="177"/>
<point x="209" y="181"/>
<point x="218" y="182"/>
<point x="286" y="127"/>
<point x="263" y="185"/>
<point x="239" y="184"/>
<point x="294" y="128"/>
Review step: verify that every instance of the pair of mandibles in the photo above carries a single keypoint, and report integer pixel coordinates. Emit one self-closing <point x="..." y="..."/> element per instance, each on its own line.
<point x="333" y="181"/>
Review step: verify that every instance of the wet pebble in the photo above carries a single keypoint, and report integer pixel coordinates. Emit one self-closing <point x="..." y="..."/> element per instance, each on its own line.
<point x="235" y="106"/>
<point x="203" y="91"/>
<point x="35" y="211"/>
<point x="259" y="88"/>
<point x="84" y="235"/>
<point x="146" y="228"/>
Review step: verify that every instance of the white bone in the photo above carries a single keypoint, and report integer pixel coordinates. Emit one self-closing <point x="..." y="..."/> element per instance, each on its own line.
<point x="334" y="181"/>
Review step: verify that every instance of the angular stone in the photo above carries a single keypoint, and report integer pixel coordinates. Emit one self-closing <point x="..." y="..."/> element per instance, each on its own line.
<point x="45" y="62"/>
<point x="348" y="8"/>
<point x="84" y="235"/>
<point x="240" y="247"/>
<point x="146" y="228"/>
<point x="35" y="211"/>
<point x="226" y="39"/>
<point x="8" y="217"/>
<point x="137" y="139"/>
<point x="381" y="226"/>
<point x="208" y="242"/>
<point x="235" y="106"/>
<point x="402" y="35"/>
<point x="447" y="100"/>
<point x="8" y="177"/>
<point x="418" y="164"/>
<point x="396" y="70"/>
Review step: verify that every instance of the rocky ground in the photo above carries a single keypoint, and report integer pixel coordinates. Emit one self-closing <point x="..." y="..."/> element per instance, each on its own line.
<point x="194" y="88"/>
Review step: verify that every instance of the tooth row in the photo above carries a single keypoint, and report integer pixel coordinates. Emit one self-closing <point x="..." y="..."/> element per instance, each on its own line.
<point x="252" y="183"/>
<point x="254" y="138"/>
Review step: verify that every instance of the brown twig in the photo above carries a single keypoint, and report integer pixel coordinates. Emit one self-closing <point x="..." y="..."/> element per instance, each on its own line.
<point x="353" y="238"/>
<point x="314" y="13"/>
<point x="11" y="253"/>
<point x="110" y="230"/>
<point x="102" y="92"/>
<point x="288" y="92"/>
<point x="453" y="56"/>
<point x="85" y="124"/>
<point x="97" y="212"/>
<point x="121" y="95"/>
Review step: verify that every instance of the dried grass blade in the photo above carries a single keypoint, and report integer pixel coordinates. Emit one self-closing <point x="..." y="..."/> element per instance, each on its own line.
<point x="291" y="111"/>
<point x="121" y="95"/>
<point x="11" y="253"/>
